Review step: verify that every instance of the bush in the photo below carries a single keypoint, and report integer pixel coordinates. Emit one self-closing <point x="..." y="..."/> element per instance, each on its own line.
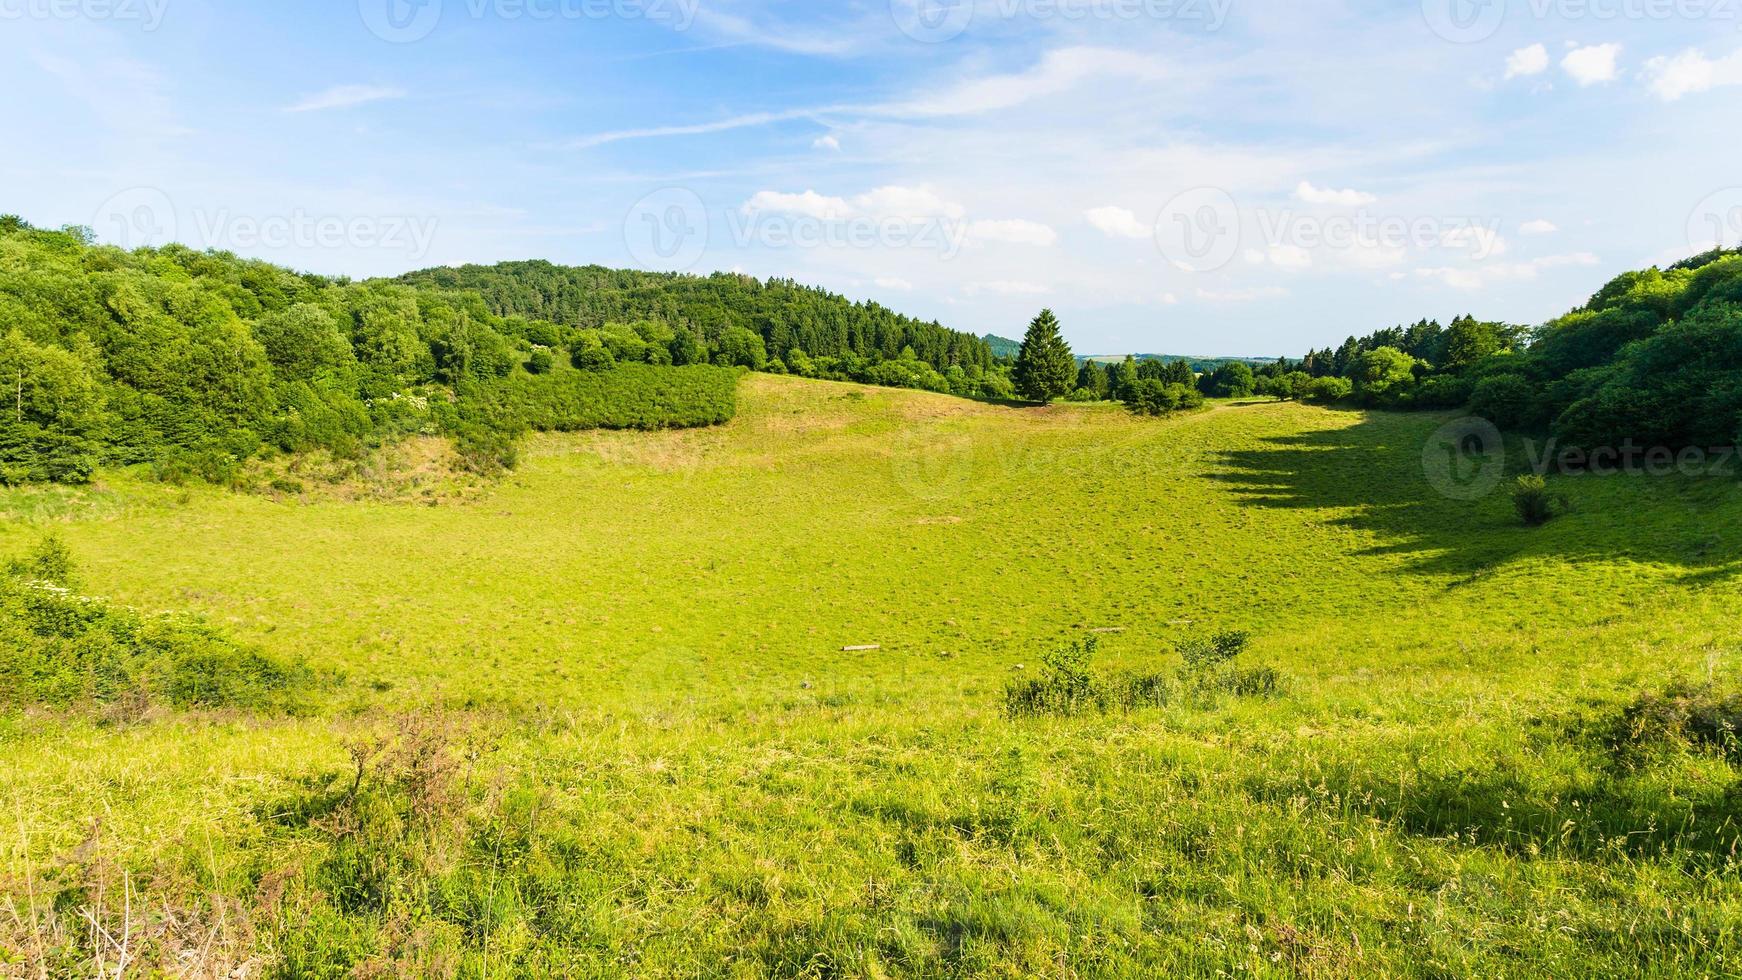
<point x="1325" y="391"/>
<point x="1507" y="400"/>
<point x="1530" y="497"/>
<point x="540" y="362"/>
<point x="63" y="650"/>
<point x="634" y="396"/>
<point x="1151" y="396"/>
<point x="1684" y="714"/>
<point x="1069" y="685"/>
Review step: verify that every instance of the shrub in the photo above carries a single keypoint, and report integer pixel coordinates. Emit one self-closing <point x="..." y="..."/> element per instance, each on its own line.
<point x="1695" y="715"/>
<point x="1325" y="391"/>
<point x="1530" y="497"/>
<point x="63" y="650"/>
<point x="1069" y="685"/>
<point x="1507" y="400"/>
<point x="540" y="362"/>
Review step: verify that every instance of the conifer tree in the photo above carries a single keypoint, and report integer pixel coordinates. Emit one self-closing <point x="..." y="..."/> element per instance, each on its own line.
<point x="1045" y="369"/>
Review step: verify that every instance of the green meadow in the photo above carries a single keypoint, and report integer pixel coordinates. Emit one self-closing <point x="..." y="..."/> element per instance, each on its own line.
<point x="599" y="717"/>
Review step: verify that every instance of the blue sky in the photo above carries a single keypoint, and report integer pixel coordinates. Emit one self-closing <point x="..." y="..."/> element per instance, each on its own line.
<point x="1191" y="176"/>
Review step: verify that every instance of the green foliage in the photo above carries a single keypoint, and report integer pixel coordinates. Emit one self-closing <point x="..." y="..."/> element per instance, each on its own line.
<point x="1507" y="400"/>
<point x="1686" y="715"/>
<point x="1328" y="390"/>
<point x="540" y="362"/>
<point x="633" y="396"/>
<point x="1382" y="374"/>
<point x="1069" y="685"/>
<point x="1232" y="380"/>
<point x="741" y="347"/>
<point x="61" y="650"/>
<point x="1532" y="500"/>
<point x="1045" y="368"/>
<point x="1152" y="396"/>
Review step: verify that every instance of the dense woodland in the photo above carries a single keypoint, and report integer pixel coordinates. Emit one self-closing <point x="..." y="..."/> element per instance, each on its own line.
<point x="1653" y="359"/>
<point x="777" y="326"/>
<point x="197" y="363"/>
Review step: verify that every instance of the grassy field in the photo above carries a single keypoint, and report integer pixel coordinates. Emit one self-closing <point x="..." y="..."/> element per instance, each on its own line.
<point x="609" y="726"/>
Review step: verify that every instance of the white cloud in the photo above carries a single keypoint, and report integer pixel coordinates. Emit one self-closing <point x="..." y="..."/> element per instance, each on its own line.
<point x="810" y="204"/>
<point x="1479" y="241"/>
<point x="1118" y="222"/>
<point x="1527" y="61"/>
<point x="1290" y="257"/>
<point x="1015" y="231"/>
<point x="891" y="202"/>
<point x="1594" y="64"/>
<point x="1169" y="299"/>
<point x="344" y="97"/>
<point x="897" y="284"/>
<point x="913" y="203"/>
<point x="1538" y="227"/>
<point x="1242" y="295"/>
<point x="1058" y="71"/>
<point x="1325" y="195"/>
<point x="1006" y="287"/>
<point x="1480" y="276"/>
<point x="1691" y="73"/>
<point x="827" y="143"/>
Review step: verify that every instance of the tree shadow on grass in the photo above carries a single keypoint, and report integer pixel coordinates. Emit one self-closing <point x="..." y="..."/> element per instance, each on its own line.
<point x="1373" y="474"/>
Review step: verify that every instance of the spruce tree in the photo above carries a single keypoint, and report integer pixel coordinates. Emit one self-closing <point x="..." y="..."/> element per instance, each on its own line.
<point x="1045" y="369"/>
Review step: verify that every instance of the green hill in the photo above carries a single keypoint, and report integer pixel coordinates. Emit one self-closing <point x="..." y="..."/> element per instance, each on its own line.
<point x="616" y="711"/>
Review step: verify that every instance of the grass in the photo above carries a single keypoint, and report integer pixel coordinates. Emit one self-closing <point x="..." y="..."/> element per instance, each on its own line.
<point x="598" y="719"/>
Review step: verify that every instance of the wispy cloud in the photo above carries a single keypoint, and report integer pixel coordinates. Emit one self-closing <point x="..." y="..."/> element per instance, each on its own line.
<point x="345" y="97"/>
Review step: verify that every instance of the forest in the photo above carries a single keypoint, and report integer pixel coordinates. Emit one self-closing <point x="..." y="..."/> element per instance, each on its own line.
<point x="1652" y="359"/>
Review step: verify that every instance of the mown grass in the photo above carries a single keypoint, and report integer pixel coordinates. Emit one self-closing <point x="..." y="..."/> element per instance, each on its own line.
<point x="599" y="721"/>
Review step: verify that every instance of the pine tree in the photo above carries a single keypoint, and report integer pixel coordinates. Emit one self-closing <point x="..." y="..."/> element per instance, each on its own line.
<point x="1121" y="378"/>
<point x="1045" y="369"/>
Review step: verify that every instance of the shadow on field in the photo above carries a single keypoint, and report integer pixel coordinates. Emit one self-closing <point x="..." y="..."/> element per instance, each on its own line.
<point x="1373" y="470"/>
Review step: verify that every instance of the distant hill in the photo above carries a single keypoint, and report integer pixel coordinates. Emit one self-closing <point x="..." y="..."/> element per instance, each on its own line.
<point x="1202" y="365"/>
<point x="1002" y="346"/>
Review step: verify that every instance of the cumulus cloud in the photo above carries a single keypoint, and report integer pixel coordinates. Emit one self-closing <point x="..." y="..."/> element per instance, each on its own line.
<point x="1014" y="231"/>
<point x="1538" y="227"/>
<point x="1325" y="195"/>
<point x="1527" y="61"/>
<point x="344" y="97"/>
<point x="1480" y="276"/>
<point x="891" y="202"/>
<point x="1118" y="222"/>
<point x="1691" y="73"/>
<point x="1593" y="65"/>
<point x="830" y="143"/>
